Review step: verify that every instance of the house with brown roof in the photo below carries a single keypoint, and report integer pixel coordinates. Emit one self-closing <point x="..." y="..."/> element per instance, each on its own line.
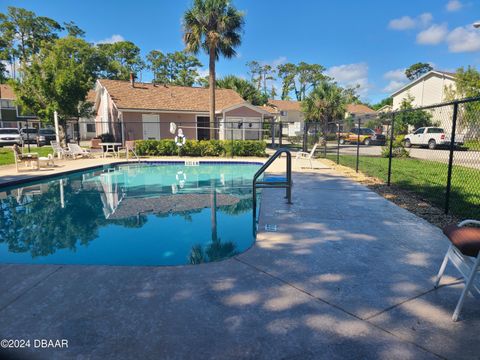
<point x="289" y="113"/>
<point x="10" y="113"/>
<point x="133" y="111"/>
<point x="359" y="110"/>
<point x="86" y="125"/>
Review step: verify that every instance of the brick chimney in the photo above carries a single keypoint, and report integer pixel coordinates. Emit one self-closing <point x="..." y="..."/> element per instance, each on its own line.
<point x="132" y="79"/>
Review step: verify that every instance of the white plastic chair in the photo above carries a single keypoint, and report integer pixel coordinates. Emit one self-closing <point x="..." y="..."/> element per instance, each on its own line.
<point x="302" y="155"/>
<point x="59" y="151"/>
<point x="468" y="266"/>
<point x="76" y="150"/>
<point x="47" y="160"/>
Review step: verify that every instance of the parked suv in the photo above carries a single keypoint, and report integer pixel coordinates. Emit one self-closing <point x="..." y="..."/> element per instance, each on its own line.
<point x="9" y="136"/>
<point x="432" y="137"/>
<point x="45" y="136"/>
<point x="366" y="137"/>
<point x="29" y="135"/>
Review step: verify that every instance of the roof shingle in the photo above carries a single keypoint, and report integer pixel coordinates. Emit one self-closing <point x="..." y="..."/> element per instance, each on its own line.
<point x="168" y="97"/>
<point x="285" y="104"/>
<point x="359" y="109"/>
<point x="6" y="92"/>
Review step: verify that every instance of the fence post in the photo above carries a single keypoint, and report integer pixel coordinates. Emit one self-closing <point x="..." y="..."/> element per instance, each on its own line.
<point x="390" y="152"/>
<point x="231" y="137"/>
<point x="272" y="130"/>
<point x="280" y="129"/>
<point x="305" y="131"/>
<point x="338" y="142"/>
<point x="450" y="159"/>
<point x="358" y="145"/>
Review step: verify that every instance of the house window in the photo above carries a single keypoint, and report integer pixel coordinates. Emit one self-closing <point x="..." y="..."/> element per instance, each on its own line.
<point x="91" y="128"/>
<point x="7" y="104"/>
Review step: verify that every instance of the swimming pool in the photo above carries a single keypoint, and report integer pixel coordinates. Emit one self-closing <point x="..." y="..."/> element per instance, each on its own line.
<point x="130" y="214"/>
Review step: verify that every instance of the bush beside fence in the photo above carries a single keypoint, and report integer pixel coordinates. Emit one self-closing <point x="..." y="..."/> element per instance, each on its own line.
<point x="167" y="147"/>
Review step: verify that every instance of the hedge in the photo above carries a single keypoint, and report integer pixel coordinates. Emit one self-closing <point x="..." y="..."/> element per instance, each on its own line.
<point x="167" y="147"/>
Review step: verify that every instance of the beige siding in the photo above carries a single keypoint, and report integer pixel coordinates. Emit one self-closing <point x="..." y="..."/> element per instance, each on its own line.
<point x="243" y="112"/>
<point x="134" y="127"/>
<point x="430" y="91"/>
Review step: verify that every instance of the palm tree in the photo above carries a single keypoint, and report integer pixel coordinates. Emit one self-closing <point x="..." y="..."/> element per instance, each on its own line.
<point x="326" y="103"/>
<point x="245" y="88"/>
<point x="214" y="26"/>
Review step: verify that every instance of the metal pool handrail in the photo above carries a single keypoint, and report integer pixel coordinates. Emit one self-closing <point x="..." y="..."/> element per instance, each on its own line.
<point x="275" y="183"/>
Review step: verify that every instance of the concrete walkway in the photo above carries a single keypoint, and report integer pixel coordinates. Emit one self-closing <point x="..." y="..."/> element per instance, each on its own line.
<point x="347" y="275"/>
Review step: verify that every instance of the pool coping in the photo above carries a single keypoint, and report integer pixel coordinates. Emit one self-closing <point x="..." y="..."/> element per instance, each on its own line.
<point x="34" y="178"/>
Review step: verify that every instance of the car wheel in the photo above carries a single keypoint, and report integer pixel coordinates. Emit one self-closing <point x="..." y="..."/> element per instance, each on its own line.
<point x="408" y="143"/>
<point x="366" y="142"/>
<point x="432" y="144"/>
<point x="342" y="141"/>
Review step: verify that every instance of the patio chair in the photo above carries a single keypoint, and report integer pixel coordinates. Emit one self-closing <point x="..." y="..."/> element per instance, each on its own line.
<point x="128" y="148"/>
<point x="463" y="253"/>
<point x="302" y="155"/>
<point x="46" y="160"/>
<point x="21" y="158"/>
<point x="59" y="151"/>
<point x="76" y="150"/>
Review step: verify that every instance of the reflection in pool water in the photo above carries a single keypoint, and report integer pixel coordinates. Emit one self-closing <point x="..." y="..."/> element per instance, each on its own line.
<point x="135" y="214"/>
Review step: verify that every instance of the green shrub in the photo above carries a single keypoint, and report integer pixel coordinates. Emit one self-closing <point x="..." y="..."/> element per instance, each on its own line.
<point x="398" y="150"/>
<point x="167" y="147"/>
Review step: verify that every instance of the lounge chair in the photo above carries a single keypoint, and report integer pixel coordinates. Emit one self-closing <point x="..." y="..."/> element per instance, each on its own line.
<point x="76" y="150"/>
<point x="463" y="253"/>
<point x="28" y="159"/>
<point x="59" y="151"/>
<point x="302" y="155"/>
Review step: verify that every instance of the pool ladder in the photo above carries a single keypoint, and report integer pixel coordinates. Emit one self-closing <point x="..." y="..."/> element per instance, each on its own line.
<point x="282" y="182"/>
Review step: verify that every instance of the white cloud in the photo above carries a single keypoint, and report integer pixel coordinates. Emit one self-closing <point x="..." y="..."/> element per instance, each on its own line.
<point x="454" y="5"/>
<point x="403" y="23"/>
<point x="203" y="72"/>
<point x="351" y="75"/>
<point x="11" y="68"/>
<point x="464" y="39"/>
<point x="397" y="74"/>
<point x="425" y="19"/>
<point x="433" y="35"/>
<point x="112" y="39"/>
<point x="393" y="86"/>
<point x="279" y="61"/>
<point x="396" y="78"/>
<point x="407" y="22"/>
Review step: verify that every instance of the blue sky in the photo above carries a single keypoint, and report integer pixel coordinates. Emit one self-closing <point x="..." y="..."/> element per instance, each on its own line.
<point x="366" y="42"/>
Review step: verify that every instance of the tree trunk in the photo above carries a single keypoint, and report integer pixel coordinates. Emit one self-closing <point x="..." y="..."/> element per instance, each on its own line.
<point x="211" y="84"/>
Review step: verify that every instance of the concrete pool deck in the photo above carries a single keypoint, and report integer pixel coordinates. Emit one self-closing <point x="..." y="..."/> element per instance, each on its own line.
<point x="347" y="275"/>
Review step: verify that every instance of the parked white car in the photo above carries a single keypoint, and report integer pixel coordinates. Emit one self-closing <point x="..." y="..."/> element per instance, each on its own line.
<point x="432" y="137"/>
<point x="10" y="136"/>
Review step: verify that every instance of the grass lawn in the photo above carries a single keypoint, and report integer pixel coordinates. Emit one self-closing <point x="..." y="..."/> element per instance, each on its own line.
<point x="428" y="179"/>
<point x="472" y="145"/>
<point x="6" y="153"/>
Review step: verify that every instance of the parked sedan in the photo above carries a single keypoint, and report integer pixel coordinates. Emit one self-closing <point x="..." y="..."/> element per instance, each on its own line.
<point x="45" y="137"/>
<point x="10" y="136"/>
<point x="29" y="135"/>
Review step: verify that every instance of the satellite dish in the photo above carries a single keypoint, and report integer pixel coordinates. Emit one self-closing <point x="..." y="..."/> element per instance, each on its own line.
<point x="173" y="128"/>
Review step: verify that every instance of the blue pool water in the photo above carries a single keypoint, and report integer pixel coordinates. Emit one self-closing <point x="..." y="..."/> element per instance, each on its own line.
<point x="130" y="214"/>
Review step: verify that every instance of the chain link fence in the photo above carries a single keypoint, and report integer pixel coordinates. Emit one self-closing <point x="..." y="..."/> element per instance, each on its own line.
<point x="437" y="158"/>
